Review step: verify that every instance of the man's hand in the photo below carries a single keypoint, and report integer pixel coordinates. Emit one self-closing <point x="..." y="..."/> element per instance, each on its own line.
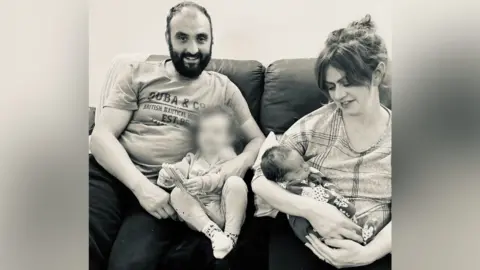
<point x="330" y="223"/>
<point x="234" y="167"/>
<point x="154" y="200"/>
<point x="193" y="185"/>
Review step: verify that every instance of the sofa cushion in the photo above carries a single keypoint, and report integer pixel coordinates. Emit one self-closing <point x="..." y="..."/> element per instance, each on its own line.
<point x="290" y="92"/>
<point x="248" y="75"/>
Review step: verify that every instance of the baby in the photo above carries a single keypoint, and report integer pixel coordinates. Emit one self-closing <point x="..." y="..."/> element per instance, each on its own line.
<point x="287" y="168"/>
<point x="206" y="201"/>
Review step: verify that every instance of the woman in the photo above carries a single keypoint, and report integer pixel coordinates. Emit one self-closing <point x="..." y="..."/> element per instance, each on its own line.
<point x="349" y="141"/>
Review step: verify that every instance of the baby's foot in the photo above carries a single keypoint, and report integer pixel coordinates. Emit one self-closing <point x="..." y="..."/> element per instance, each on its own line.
<point x="221" y="243"/>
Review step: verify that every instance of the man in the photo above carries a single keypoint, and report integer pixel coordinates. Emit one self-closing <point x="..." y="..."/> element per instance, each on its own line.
<point x="144" y="123"/>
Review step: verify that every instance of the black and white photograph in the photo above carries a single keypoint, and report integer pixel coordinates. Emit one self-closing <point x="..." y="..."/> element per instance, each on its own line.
<point x="240" y="135"/>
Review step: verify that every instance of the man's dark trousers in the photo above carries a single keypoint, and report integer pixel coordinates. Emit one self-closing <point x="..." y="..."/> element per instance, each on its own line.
<point x="124" y="236"/>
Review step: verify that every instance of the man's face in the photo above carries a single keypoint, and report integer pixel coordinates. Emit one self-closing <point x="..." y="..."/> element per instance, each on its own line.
<point x="190" y="42"/>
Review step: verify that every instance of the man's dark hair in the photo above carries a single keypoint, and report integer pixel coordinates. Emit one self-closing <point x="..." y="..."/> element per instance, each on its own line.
<point x="272" y="163"/>
<point x="177" y="8"/>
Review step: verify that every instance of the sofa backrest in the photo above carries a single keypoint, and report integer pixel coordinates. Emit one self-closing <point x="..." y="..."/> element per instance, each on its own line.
<point x="290" y="92"/>
<point x="248" y="75"/>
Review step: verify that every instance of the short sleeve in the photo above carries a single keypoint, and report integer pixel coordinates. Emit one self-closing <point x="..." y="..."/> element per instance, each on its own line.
<point x="123" y="95"/>
<point x="235" y="100"/>
<point x="295" y="138"/>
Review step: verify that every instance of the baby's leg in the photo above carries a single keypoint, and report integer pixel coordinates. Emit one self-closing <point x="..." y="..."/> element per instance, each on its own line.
<point x="301" y="227"/>
<point x="234" y="201"/>
<point x="188" y="208"/>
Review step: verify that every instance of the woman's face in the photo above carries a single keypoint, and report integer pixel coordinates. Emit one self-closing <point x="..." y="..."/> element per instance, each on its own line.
<point x="352" y="100"/>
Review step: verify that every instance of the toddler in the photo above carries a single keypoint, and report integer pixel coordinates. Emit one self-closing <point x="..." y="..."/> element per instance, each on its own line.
<point x="205" y="201"/>
<point x="287" y="168"/>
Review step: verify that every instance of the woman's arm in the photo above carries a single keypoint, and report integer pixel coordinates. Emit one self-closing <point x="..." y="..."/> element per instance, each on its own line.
<point x="381" y="245"/>
<point x="324" y="218"/>
<point x="281" y="199"/>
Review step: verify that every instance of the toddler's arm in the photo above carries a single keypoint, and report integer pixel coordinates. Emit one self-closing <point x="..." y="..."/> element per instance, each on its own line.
<point x="211" y="182"/>
<point x="165" y="180"/>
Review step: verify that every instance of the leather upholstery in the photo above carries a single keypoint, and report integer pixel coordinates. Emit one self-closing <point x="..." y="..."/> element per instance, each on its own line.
<point x="291" y="92"/>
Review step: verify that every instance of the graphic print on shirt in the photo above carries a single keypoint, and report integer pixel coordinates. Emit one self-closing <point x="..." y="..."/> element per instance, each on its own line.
<point x="169" y="109"/>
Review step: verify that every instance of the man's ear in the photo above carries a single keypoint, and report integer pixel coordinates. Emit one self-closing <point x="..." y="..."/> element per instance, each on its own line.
<point x="167" y="36"/>
<point x="378" y="74"/>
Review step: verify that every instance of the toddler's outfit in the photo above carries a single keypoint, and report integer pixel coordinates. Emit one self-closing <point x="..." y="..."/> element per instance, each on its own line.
<point x="194" y="165"/>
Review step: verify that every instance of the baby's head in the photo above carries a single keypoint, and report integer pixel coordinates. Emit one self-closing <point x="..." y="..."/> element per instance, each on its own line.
<point x="284" y="165"/>
<point x="216" y="129"/>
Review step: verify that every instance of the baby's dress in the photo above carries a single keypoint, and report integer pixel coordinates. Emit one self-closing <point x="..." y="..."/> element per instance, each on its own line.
<point x="325" y="191"/>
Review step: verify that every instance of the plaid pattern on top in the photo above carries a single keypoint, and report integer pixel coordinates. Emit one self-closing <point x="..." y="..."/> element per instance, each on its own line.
<point x="362" y="177"/>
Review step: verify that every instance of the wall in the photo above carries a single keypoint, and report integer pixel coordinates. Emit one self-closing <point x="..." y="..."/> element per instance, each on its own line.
<point x="264" y="30"/>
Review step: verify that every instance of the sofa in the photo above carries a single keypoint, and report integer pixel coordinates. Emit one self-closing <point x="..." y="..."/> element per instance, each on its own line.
<point x="277" y="95"/>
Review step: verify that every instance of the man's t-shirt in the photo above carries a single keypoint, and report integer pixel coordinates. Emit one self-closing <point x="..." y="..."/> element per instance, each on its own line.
<point x="163" y="108"/>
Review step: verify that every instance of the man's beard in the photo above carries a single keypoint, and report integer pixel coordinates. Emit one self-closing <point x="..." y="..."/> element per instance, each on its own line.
<point x="185" y="70"/>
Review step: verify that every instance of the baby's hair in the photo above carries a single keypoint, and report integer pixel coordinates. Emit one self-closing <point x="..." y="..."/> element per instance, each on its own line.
<point x="272" y="163"/>
<point x="356" y="50"/>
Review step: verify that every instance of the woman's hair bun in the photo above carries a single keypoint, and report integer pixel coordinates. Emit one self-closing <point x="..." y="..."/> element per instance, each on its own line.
<point x="365" y="23"/>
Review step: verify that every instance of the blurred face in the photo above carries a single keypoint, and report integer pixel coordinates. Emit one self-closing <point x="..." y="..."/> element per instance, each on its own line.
<point x="190" y="42"/>
<point x="297" y="168"/>
<point x="214" y="134"/>
<point x="352" y="100"/>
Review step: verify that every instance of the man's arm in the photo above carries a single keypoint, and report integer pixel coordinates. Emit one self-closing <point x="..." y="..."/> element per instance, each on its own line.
<point x="248" y="127"/>
<point x="255" y="138"/>
<point x="122" y="100"/>
<point x="111" y="155"/>
<point x="108" y="151"/>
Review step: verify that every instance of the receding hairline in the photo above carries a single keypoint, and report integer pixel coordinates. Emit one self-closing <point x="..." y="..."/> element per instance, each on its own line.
<point x="190" y="11"/>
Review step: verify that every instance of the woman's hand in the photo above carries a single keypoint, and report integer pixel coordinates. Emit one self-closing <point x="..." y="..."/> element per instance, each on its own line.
<point x="330" y="223"/>
<point x="339" y="253"/>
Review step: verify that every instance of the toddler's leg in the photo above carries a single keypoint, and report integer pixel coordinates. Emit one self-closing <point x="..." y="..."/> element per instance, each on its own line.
<point x="234" y="200"/>
<point x="189" y="209"/>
